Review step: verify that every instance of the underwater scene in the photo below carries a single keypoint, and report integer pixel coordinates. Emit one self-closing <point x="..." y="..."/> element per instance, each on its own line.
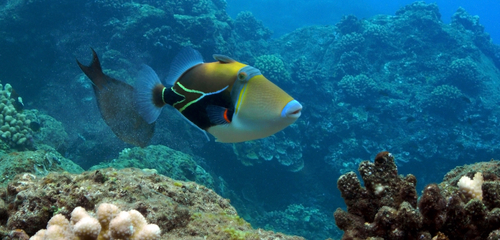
<point x="229" y="119"/>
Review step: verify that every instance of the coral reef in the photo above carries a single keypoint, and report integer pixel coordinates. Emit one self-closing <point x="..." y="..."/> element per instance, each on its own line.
<point x="421" y="98"/>
<point x="286" y="152"/>
<point x="250" y="28"/>
<point x="182" y="210"/>
<point x="464" y="74"/>
<point x="358" y="87"/>
<point x="387" y="206"/>
<point x="51" y="134"/>
<point x="309" y="222"/>
<point x="421" y="71"/>
<point x="14" y="126"/>
<point x="445" y="99"/>
<point x="163" y="160"/>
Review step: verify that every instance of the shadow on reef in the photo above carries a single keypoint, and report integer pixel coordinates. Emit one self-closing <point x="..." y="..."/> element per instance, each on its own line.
<point x="386" y="208"/>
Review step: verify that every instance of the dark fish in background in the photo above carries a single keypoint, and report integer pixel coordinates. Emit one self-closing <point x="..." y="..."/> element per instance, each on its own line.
<point x="18" y="101"/>
<point x="115" y="100"/>
<point x="35" y="126"/>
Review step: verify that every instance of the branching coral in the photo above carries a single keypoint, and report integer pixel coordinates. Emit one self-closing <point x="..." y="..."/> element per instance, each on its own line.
<point x="386" y="207"/>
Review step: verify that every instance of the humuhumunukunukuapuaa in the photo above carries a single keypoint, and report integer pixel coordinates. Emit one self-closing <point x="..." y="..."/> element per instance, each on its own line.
<point x="230" y="100"/>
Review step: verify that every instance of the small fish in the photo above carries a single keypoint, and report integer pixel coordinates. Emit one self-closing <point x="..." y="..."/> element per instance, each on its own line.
<point x="116" y="104"/>
<point x="230" y="100"/>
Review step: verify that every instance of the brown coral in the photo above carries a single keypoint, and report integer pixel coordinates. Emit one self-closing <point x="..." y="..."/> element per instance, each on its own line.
<point x="386" y="207"/>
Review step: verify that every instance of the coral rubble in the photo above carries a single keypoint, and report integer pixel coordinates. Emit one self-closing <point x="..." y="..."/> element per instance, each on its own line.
<point x="387" y="206"/>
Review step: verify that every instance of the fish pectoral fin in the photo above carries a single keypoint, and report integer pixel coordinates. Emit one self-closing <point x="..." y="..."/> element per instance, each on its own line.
<point x="219" y="115"/>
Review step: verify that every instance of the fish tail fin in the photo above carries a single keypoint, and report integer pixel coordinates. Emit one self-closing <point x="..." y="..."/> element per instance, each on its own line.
<point x="115" y="100"/>
<point x="94" y="71"/>
<point x="149" y="94"/>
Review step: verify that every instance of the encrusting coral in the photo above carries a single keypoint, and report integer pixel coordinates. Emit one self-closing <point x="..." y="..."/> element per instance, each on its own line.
<point x="111" y="223"/>
<point x="273" y="68"/>
<point x="387" y="206"/>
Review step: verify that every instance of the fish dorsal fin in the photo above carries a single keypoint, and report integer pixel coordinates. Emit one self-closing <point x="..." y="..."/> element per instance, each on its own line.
<point x="186" y="59"/>
<point x="223" y="58"/>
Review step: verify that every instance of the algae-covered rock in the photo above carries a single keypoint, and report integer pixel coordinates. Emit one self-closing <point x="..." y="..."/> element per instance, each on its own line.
<point x="163" y="160"/>
<point x="51" y="131"/>
<point x="182" y="210"/>
<point x="34" y="163"/>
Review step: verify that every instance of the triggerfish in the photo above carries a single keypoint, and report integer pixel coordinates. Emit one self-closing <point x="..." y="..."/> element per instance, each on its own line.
<point x="230" y="100"/>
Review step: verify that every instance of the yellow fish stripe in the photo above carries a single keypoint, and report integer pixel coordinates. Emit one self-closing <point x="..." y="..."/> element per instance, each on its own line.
<point x="184" y="97"/>
<point x="163" y="94"/>
<point x="190" y="91"/>
<point x="240" y="98"/>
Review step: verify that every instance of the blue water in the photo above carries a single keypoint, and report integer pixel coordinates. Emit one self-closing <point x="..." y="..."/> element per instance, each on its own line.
<point x="283" y="16"/>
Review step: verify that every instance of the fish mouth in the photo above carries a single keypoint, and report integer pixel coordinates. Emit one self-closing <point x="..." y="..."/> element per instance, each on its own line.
<point x="292" y="109"/>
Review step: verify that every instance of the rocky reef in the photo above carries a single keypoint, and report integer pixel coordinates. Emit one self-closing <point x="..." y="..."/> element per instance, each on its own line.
<point x="162" y="160"/>
<point x="34" y="163"/>
<point x="182" y="210"/>
<point x="387" y="207"/>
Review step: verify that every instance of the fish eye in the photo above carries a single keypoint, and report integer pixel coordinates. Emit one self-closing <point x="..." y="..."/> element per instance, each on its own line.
<point x="242" y="75"/>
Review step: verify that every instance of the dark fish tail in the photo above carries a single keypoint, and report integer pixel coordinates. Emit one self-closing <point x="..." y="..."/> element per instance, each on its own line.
<point x="94" y="71"/>
<point x="115" y="100"/>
